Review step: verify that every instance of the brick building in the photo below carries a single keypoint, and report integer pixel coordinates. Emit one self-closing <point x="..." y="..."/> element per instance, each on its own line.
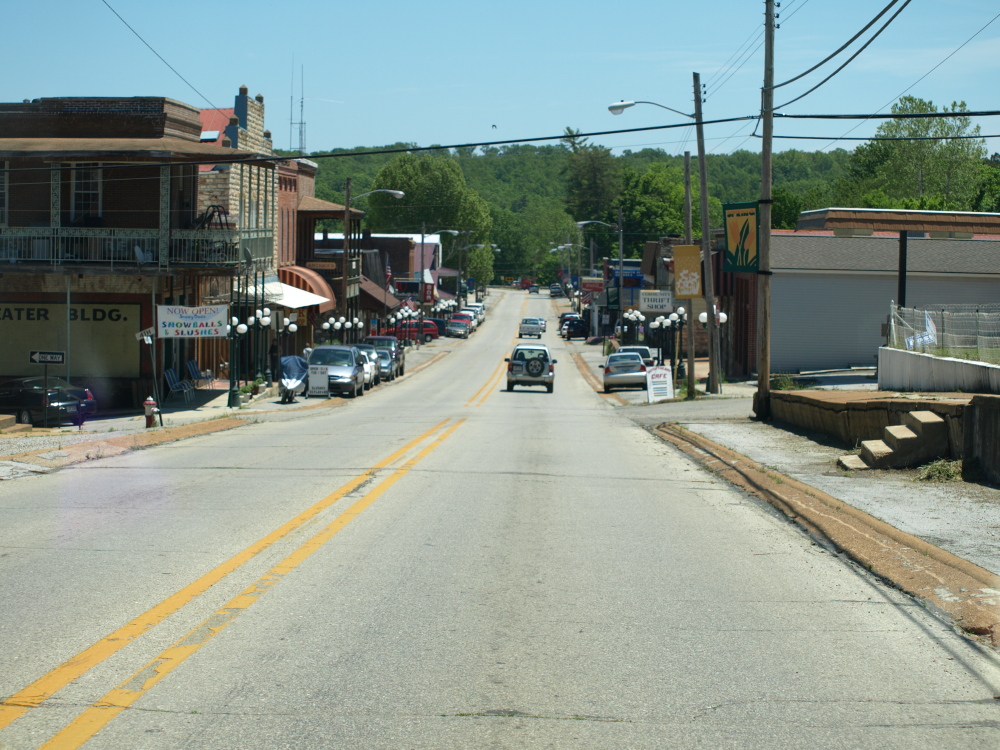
<point x="101" y="219"/>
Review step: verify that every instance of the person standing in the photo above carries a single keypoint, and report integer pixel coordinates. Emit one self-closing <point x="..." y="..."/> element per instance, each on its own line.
<point x="274" y="355"/>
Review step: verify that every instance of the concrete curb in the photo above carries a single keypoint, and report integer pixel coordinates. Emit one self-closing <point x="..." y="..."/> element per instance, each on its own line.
<point x="105" y="447"/>
<point x="968" y="594"/>
<point x="594" y="383"/>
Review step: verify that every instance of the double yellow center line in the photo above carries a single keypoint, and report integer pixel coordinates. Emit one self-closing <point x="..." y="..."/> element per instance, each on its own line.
<point x="103" y="711"/>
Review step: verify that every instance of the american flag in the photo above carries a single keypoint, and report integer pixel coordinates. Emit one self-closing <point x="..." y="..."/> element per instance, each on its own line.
<point x="388" y="278"/>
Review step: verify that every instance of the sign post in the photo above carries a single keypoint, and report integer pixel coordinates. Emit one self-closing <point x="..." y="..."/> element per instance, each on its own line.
<point x="45" y="359"/>
<point x="146" y="336"/>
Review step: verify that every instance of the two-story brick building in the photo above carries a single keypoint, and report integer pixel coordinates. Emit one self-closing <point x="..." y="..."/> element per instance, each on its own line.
<point x="102" y="217"/>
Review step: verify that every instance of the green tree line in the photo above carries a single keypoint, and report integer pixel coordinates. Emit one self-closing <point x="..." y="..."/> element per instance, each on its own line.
<point x="515" y="206"/>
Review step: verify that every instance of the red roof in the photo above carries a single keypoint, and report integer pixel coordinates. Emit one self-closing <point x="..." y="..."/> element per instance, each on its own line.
<point x="214" y="120"/>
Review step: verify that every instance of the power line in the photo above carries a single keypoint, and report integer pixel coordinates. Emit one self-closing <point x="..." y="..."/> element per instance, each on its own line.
<point x="842" y="48"/>
<point x="898" y="96"/>
<point x="162" y="59"/>
<point x="850" y="59"/>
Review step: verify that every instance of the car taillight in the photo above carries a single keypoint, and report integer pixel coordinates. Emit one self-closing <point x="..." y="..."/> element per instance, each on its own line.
<point x="607" y="370"/>
<point x="551" y="370"/>
<point x="642" y="368"/>
<point x="90" y="396"/>
<point x="510" y="367"/>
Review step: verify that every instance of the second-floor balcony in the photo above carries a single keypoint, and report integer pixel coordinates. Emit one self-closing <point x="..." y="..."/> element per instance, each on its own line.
<point x="150" y="250"/>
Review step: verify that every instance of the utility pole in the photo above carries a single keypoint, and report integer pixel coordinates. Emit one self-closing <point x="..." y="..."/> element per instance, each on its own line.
<point x="706" y="247"/>
<point x="762" y="399"/>
<point x="345" y="256"/>
<point x="688" y="240"/>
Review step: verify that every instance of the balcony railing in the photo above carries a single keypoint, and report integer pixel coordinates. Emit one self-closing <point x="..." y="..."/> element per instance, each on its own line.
<point x="134" y="247"/>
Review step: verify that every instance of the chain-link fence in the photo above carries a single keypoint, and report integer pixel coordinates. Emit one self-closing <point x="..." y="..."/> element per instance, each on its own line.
<point x="962" y="331"/>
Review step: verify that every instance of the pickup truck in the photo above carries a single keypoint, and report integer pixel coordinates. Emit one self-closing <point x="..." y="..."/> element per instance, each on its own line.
<point x="529" y="327"/>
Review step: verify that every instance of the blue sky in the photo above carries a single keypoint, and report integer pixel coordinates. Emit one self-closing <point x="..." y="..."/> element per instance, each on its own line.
<point x="446" y="72"/>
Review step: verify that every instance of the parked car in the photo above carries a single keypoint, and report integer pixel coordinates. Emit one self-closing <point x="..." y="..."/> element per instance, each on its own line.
<point x="345" y="368"/>
<point x="624" y="370"/>
<point x="386" y="365"/>
<point x="468" y="318"/>
<point x="642" y="351"/>
<point x="370" y="367"/>
<point x="575" y="328"/>
<point x="479" y="308"/>
<point x="457" y="329"/>
<point x="392" y="344"/>
<point x="408" y="330"/>
<point x="530" y="364"/>
<point x="441" y="324"/>
<point x="372" y="353"/>
<point x="37" y="400"/>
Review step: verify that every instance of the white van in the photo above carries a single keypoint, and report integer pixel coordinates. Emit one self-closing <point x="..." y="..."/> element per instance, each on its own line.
<point x="479" y="308"/>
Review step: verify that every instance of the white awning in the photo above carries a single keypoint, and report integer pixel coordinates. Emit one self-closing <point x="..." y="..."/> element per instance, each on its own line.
<point x="293" y="298"/>
<point x="285" y="295"/>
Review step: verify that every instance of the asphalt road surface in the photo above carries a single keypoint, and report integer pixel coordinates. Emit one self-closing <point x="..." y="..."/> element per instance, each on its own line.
<point x="444" y="564"/>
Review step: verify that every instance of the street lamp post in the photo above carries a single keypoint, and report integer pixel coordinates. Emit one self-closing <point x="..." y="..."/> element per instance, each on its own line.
<point x="620" y="227"/>
<point x="706" y="250"/>
<point x="347" y="236"/>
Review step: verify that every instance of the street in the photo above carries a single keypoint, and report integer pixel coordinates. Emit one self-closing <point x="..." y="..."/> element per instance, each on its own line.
<point x="445" y="564"/>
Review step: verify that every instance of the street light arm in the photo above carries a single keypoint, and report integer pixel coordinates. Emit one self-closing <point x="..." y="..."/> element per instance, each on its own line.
<point x="619" y="107"/>
<point x="394" y="193"/>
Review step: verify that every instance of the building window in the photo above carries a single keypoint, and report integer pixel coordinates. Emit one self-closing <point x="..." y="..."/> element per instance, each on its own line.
<point x="3" y="193"/>
<point x="86" y="191"/>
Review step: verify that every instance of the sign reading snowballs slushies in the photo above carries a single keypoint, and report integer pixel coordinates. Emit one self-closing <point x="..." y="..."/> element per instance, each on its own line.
<point x="687" y="271"/>
<point x="175" y="321"/>
<point x="742" y="222"/>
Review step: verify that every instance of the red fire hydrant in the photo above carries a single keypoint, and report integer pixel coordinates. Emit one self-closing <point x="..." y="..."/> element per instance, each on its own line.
<point x="151" y="411"/>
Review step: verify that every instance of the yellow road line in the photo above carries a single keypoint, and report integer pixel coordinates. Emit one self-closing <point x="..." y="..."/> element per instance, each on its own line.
<point x="492" y="376"/>
<point x="491" y="386"/>
<point x="98" y="715"/>
<point x="44" y="687"/>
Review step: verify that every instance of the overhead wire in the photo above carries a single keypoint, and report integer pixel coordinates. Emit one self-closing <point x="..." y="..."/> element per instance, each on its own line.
<point x="846" y="44"/>
<point x="903" y="93"/>
<point x="850" y="59"/>
<point x="161" y="58"/>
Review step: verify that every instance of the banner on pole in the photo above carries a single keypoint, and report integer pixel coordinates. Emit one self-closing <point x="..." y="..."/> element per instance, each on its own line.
<point x="174" y="321"/>
<point x="687" y="271"/>
<point x="742" y="223"/>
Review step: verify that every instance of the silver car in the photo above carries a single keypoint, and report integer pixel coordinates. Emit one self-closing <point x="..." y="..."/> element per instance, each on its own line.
<point x="386" y="365"/>
<point x="530" y="364"/>
<point x="344" y="368"/>
<point x="624" y="368"/>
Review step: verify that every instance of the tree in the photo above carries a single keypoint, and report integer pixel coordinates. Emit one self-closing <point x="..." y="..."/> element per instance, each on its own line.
<point x="436" y="197"/>
<point x="934" y="162"/>
<point x="593" y="178"/>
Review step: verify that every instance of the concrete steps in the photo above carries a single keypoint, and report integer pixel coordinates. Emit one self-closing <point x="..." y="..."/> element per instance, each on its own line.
<point x="922" y="438"/>
<point x="8" y="424"/>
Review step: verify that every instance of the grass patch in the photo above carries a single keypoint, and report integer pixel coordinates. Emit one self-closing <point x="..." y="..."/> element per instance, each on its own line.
<point x="783" y="381"/>
<point x="941" y="470"/>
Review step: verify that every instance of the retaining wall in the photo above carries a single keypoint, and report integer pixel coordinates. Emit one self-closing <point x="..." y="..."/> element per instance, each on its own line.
<point x="853" y="416"/>
<point x="982" y="440"/>
<point x="900" y="370"/>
